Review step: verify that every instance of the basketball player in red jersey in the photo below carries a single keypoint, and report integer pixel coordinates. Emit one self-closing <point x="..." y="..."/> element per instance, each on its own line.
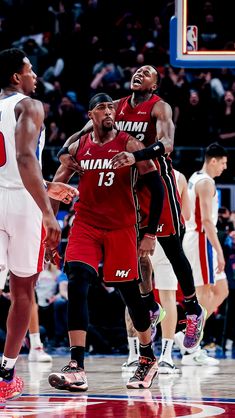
<point x="147" y="117"/>
<point x="104" y="229"/>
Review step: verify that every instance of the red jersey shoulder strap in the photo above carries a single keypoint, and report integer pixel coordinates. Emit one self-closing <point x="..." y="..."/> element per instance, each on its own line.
<point x="123" y="137"/>
<point x="82" y="142"/>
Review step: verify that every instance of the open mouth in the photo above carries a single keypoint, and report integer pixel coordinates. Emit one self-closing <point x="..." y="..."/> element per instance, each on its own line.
<point x="137" y="81"/>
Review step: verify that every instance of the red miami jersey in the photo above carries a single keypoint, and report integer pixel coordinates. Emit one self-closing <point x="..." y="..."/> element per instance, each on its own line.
<point x="138" y="122"/>
<point x="106" y="196"/>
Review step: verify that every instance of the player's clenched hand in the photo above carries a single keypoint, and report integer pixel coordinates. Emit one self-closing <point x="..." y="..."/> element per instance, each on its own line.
<point x="146" y="247"/>
<point x="62" y="192"/>
<point x="122" y="159"/>
<point x="69" y="162"/>
<point x="53" y="231"/>
<point x="53" y="256"/>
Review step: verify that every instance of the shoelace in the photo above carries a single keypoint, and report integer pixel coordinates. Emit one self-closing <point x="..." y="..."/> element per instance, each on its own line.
<point x="67" y="369"/>
<point x="142" y="369"/>
<point x="191" y="326"/>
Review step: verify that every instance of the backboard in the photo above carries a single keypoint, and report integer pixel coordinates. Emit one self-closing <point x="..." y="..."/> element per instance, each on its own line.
<point x="186" y="33"/>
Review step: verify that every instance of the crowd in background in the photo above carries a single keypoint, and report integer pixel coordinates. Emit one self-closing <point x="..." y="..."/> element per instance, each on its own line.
<point x="77" y="51"/>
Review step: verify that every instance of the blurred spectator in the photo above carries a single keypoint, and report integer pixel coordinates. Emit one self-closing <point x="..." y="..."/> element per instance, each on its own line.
<point x="232" y="218"/>
<point x="224" y="220"/>
<point x="226" y="121"/>
<point x="34" y="51"/>
<point x="71" y="115"/>
<point x="46" y="289"/>
<point x="67" y="223"/>
<point x="209" y="33"/>
<point x="54" y="71"/>
<point x="193" y="123"/>
<point x="60" y="302"/>
<point x="108" y="76"/>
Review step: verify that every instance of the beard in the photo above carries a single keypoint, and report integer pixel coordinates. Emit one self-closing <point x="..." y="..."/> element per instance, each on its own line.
<point x="107" y="128"/>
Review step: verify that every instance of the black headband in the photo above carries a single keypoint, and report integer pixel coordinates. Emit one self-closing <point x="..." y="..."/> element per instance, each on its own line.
<point x="99" y="98"/>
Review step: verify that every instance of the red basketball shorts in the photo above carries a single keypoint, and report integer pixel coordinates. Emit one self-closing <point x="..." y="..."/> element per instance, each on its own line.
<point x="117" y="249"/>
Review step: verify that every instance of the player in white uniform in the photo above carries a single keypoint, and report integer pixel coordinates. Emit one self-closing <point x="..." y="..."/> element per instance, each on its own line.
<point x="201" y="243"/>
<point x="166" y="282"/>
<point x="26" y="214"/>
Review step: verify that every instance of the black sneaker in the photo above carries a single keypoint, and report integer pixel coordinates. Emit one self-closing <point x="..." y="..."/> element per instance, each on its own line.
<point x="144" y="374"/>
<point x="71" y="378"/>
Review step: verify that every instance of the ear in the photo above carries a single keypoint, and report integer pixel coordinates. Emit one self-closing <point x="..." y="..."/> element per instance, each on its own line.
<point x="154" y="87"/>
<point x="16" y="78"/>
<point x="89" y="114"/>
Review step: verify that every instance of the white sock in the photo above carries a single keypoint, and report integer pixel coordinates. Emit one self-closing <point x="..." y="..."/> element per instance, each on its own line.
<point x="134" y="353"/>
<point x="8" y="363"/>
<point x="35" y="340"/>
<point x="167" y="344"/>
<point x="180" y="338"/>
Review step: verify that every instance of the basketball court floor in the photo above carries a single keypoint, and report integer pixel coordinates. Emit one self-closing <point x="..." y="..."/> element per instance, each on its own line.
<point x="197" y="392"/>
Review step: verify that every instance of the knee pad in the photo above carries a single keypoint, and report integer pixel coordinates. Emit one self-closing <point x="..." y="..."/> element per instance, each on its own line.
<point x="140" y="317"/>
<point x="79" y="279"/>
<point x="135" y="304"/>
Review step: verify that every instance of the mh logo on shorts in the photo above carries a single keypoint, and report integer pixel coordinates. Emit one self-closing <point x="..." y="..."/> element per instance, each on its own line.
<point x="160" y="227"/>
<point x="122" y="273"/>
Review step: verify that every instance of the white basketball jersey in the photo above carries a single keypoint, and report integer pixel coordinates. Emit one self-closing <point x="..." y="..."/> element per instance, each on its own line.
<point x="195" y="223"/>
<point x="9" y="173"/>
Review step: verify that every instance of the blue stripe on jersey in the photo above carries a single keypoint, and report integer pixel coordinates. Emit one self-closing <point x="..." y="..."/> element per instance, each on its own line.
<point x="38" y="146"/>
<point x="210" y="262"/>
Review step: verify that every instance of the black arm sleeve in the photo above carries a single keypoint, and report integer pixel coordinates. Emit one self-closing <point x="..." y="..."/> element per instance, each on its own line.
<point x="154" y="183"/>
<point x="153" y="151"/>
<point x="62" y="151"/>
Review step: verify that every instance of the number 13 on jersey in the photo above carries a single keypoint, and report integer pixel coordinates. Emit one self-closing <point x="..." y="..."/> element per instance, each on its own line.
<point x="106" y="179"/>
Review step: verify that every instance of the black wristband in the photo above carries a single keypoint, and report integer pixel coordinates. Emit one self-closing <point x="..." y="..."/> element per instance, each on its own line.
<point x="64" y="150"/>
<point x="153" y="151"/>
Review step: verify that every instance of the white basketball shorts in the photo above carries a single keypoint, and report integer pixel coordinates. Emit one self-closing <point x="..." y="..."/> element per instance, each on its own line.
<point x="21" y="231"/>
<point x="164" y="276"/>
<point x="202" y="257"/>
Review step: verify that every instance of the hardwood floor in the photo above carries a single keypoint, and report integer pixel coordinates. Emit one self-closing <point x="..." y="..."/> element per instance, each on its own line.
<point x="197" y="392"/>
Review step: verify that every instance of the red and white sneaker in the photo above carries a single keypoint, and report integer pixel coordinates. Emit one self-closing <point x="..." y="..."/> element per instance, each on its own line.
<point x="9" y="389"/>
<point x="2" y="403"/>
<point x="71" y="378"/>
<point x="144" y="374"/>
